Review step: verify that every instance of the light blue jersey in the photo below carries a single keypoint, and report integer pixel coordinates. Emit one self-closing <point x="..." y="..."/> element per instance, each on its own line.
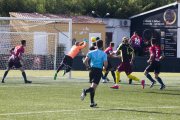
<point x="97" y="58"/>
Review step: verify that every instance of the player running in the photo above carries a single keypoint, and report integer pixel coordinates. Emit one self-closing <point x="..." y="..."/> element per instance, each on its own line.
<point x="14" y="60"/>
<point x="68" y="59"/>
<point x="156" y="55"/>
<point x="126" y="50"/>
<point x="98" y="57"/>
<point x="108" y="51"/>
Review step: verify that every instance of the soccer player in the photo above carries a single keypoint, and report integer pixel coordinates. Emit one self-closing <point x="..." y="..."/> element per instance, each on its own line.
<point x="98" y="57"/>
<point x="68" y="59"/>
<point x="156" y="55"/>
<point x="126" y="49"/>
<point x="108" y="51"/>
<point x="14" y="60"/>
<point x="135" y="42"/>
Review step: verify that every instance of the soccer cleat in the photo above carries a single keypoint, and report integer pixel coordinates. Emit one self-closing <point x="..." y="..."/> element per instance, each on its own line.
<point x="64" y="72"/>
<point x="107" y="79"/>
<point x="152" y="84"/>
<point x="130" y="81"/>
<point x="55" y="75"/>
<point x="162" y="87"/>
<point x="83" y="95"/>
<point x="114" y="87"/>
<point x="26" y="81"/>
<point x="104" y="81"/>
<point x="93" y="104"/>
<point x="2" y="81"/>
<point x="143" y="83"/>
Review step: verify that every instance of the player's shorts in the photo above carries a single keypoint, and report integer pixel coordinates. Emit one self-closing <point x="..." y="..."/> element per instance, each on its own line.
<point x="17" y="65"/>
<point x="109" y="65"/>
<point x="125" y="66"/>
<point x="154" y="66"/>
<point x="67" y="60"/>
<point x="95" y="75"/>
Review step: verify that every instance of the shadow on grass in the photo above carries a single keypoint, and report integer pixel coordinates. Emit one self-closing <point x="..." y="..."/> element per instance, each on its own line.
<point x="130" y="110"/>
<point x="163" y="93"/>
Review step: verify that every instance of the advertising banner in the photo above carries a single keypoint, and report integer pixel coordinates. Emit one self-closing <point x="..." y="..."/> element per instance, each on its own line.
<point x="160" y="24"/>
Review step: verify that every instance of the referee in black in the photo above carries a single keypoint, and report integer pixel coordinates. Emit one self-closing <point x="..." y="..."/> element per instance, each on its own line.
<point x="98" y="58"/>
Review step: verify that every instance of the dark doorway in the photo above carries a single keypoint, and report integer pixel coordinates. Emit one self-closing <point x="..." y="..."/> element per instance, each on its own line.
<point x="108" y="39"/>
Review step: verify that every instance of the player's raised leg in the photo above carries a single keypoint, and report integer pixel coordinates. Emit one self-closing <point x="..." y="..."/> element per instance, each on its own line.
<point x="137" y="79"/>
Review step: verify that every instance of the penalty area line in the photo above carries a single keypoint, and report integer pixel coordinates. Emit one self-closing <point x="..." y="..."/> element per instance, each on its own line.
<point x="96" y="109"/>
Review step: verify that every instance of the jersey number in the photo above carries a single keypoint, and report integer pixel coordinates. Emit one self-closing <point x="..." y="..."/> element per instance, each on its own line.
<point x="137" y="41"/>
<point x="156" y="53"/>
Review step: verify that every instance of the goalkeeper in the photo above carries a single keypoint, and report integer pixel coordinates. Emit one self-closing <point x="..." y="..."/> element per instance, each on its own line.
<point x="68" y="58"/>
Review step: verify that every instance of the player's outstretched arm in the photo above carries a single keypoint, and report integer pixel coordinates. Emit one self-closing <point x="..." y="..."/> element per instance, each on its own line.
<point x="84" y="45"/>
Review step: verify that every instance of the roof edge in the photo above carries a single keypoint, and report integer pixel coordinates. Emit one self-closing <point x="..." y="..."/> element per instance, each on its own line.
<point x="159" y="8"/>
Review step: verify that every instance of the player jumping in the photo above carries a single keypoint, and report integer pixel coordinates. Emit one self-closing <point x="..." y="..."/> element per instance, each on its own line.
<point x="14" y="60"/>
<point x="126" y="49"/>
<point x="68" y="59"/>
<point x="156" y="55"/>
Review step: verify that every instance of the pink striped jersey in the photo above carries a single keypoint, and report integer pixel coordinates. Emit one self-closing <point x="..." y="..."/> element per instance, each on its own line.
<point x="136" y="41"/>
<point x="17" y="50"/>
<point x="109" y="50"/>
<point x="157" y="52"/>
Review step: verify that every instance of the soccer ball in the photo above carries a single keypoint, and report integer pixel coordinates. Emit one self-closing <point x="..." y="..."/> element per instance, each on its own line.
<point x="93" y="39"/>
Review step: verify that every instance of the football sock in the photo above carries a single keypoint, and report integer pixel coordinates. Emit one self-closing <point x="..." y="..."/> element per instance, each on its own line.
<point x="160" y="81"/>
<point x="24" y="75"/>
<point x="91" y="89"/>
<point x="149" y="77"/>
<point x="133" y="77"/>
<point x="113" y="74"/>
<point x="117" y="77"/>
<point x="104" y="71"/>
<point x="5" y="73"/>
<point x="102" y="75"/>
<point x="92" y="96"/>
<point x="105" y="75"/>
<point x="60" y="67"/>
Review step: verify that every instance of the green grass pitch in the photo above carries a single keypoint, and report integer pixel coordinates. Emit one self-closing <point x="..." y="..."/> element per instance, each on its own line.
<point x="48" y="99"/>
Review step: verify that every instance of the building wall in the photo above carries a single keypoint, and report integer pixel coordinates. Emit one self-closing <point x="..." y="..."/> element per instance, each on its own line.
<point x="114" y="26"/>
<point x="81" y="31"/>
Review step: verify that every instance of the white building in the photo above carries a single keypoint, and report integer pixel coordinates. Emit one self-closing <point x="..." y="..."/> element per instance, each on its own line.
<point x="116" y="29"/>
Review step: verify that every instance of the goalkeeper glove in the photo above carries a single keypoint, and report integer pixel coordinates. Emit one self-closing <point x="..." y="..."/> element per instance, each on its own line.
<point x="85" y="40"/>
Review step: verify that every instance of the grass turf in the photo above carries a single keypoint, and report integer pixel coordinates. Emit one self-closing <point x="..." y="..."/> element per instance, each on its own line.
<point x="48" y="99"/>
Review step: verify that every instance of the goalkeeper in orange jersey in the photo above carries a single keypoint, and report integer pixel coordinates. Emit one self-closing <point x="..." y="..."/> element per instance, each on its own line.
<point x="68" y="58"/>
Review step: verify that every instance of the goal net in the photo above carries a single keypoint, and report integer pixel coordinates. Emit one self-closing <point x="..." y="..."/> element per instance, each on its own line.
<point x="47" y="41"/>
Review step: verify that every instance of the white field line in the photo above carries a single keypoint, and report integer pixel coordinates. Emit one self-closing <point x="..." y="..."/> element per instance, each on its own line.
<point x="96" y="109"/>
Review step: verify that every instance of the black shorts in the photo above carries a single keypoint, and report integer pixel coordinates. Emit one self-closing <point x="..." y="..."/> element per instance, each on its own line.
<point x="67" y="60"/>
<point x="17" y="65"/>
<point x="109" y="65"/>
<point x="154" y="66"/>
<point x="95" y="75"/>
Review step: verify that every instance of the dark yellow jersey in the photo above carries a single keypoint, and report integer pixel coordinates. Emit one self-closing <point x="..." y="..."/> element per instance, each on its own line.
<point x="126" y="52"/>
